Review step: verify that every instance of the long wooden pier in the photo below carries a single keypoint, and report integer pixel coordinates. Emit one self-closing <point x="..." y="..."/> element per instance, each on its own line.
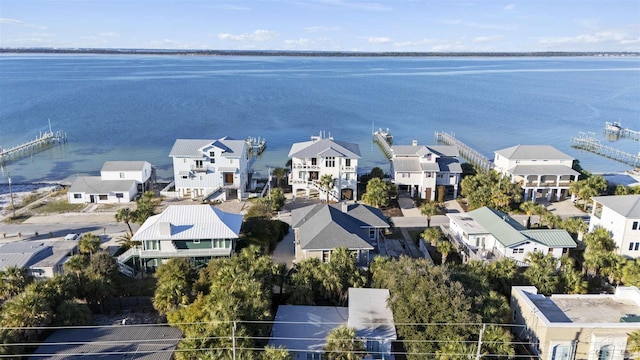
<point x="590" y="143"/>
<point x="42" y="142"/>
<point x="616" y="130"/>
<point x="383" y="139"/>
<point x="467" y="152"/>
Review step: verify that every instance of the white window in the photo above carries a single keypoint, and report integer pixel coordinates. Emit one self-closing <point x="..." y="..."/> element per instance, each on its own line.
<point x="314" y="161"/>
<point x="330" y="161"/>
<point x="121" y="175"/>
<point x="103" y="197"/>
<point x="120" y="195"/>
<point x="198" y="163"/>
<point x="372" y="233"/>
<point x="605" y="352"/>
<point x="77" y="196"/>
<point x="561" y="352"/>
<point x="347" y="176"/>
<point x="196" y="241"/>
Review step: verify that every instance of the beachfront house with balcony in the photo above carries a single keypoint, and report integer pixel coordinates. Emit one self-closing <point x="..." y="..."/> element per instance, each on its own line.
<point x="211" y="169"/>
<point x="576" y="326"/>
<point x="197" y="232"/>
<point x="119" y="182"/>
<point x="620" y="215"/>
<point x="319" y="229"/>
<point x="543" y="171"/>
<point x="310" y="160"/>
<point x="488" y="234"/>
<point x="303" y="330"/>
<point x="422" y="170"/>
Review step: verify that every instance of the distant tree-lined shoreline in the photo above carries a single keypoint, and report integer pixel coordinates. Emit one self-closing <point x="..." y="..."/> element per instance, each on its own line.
<point x="202" y="52"/>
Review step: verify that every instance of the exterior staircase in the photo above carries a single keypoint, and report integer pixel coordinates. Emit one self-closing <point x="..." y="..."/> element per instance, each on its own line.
<point x="123" y="258"/>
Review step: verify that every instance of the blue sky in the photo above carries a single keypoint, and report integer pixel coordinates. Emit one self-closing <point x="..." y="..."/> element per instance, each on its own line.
<point x="326" y="25"/>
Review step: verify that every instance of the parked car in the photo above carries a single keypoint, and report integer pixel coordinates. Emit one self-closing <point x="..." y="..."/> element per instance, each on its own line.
<point x="72" y="236"/>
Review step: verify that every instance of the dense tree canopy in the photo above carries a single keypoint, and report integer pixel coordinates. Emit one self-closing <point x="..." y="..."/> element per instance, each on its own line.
<point x="378" y="192"/>
<point x="489" y="188"/>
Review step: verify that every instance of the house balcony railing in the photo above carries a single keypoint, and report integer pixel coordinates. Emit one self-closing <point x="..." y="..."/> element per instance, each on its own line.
<point x="562" y="183"/>
<point x="306" y="167"/>
<point x="150" y="254"/>
<point x="195" y="168"/>
<point x="348" y="168"/>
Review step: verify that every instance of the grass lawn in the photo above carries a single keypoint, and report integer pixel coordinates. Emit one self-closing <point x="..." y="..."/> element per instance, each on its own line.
<point x="56" y="206"/>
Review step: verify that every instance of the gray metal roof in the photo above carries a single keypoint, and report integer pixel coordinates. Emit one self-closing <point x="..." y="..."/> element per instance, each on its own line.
<point x="95" y="185"/>
<point x="625" y="205"/>
<point x="140" y="342"/>
<point x="409" y="150"/>
<point x="35" y="253"/>
<point x="531" y="152"/>
<point x="542" y="170"/>
<point x="324" y="227"/>
<point x="305" y="328"/>
<point x="370" y="315"/>
<point x="324" y="147"/>
<point x="187" y="222"/>
<point x="124" y="165"/>
<point x="369" y="216"/>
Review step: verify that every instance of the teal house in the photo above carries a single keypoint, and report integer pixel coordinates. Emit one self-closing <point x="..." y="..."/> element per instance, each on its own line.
<point x="197" y="232"/>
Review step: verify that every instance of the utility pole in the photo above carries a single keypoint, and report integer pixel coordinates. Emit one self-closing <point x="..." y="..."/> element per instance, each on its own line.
<point x="479" y="352"/>
<point x="13" y="207"/>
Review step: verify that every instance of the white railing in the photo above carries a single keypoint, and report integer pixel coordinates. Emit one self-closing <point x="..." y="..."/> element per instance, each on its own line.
<point x="306" y="167"/>
<point x="145" y="254"/>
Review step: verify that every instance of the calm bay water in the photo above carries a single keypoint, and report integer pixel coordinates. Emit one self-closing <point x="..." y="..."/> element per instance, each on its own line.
<point x="134" y="107"/>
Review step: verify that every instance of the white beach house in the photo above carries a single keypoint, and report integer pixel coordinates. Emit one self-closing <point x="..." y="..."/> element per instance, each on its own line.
<point x="310" y="160"/>
<point x="211" y="169"/>
<point x="621" y="216"/>
<point x="542" y="170"/>
<point x="421" y="170"/>
<point x="119" y="182"/>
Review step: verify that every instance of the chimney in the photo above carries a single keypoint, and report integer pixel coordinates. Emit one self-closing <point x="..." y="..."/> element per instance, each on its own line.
<point x="414" y="142"/>
<point x="164" y="228"/>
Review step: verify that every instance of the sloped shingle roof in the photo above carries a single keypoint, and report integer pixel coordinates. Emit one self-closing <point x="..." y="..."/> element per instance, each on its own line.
<point x="124" y="165"/>
<point x="324" y="147"/>
<point x="625" y="205"/>
<point x="95" y="185"/>
<point x="532" y="152"/>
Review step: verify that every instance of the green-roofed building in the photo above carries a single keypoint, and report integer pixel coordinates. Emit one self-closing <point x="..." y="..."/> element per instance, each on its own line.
<point x="488" y="234"/>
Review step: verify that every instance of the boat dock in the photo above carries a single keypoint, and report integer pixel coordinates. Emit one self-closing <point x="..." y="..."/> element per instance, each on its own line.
<point x="587" y="141"/>
<point x="467" y="152"/>
<point x="42" y="142"/>
<point x="384" y="139"/>
<point x="256" y="145"/>
<point x="615" y="130"/>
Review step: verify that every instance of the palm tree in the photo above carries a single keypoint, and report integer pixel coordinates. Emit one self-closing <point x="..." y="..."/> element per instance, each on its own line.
<point x="631" y="273"/>
<point x="529" y="208"/>
<point x="444" y="248"/>
<point x="89" y="243"/>
<point x="430" y="209"/>
<point x="542" y="272"/>
<point x="326" y="183"/>
<point x="496" y="343"/>
<point x="377" y="193"/>
<point x="343" y="345"/>
<point x="432" y="235"/>
<point x="280" y="174"/>
<point x="275" y="353"/>
<point x="126" y="216"/>
<point x="13" y="280"/>
<point x="575" y="226"/>
<point x="634" y="342"/>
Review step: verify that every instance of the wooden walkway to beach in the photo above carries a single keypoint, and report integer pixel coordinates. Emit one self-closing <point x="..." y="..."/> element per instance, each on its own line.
<point x="467" y="152"/>
<point x="42" y="142"/>
<point x="590" y="143"/>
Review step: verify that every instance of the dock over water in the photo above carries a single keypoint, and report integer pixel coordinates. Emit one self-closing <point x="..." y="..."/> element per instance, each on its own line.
<point x="384" y="140"/>
<point x="587" y="141"/>
<point x="470" y="154"/>
<point x="42" y="142"/>
<point x="615" y="130"/>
